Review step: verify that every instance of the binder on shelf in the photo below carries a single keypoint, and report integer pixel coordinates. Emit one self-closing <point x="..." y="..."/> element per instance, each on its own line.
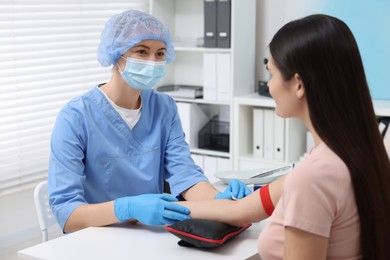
<point x="223" y="23"/>
<point x="210" y="76"/>
<point x="192" y="119"/>
<point x="279" y="137"/>
<point x="223" y="76"/>
<point x="386" y="141"/>
<point x="258" y="132"/>
<point x="216" y="76"/>
<point x="210" y="23"/>
<point x="268" y="134"/>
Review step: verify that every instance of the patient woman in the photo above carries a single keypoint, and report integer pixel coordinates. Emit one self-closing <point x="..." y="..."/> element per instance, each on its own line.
<point x="335" y="203"/>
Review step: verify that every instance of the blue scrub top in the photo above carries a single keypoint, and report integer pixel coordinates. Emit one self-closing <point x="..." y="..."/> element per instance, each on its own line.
<point x="95" y="157"/>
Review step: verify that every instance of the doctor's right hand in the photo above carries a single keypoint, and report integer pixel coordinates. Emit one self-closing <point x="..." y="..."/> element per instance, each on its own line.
<point x="150" y="209"/>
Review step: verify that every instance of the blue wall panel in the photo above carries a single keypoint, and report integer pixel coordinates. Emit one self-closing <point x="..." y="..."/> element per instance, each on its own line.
<point x="369" y="20"/>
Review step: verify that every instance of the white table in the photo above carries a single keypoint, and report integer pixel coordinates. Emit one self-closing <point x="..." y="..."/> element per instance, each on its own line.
<point x="136" y="241"/>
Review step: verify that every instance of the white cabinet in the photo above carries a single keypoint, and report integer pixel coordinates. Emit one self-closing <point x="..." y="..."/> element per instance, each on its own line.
<point x="257" y="125"/>
<point x="251" y="128"/>
<point x="226" y="72"/>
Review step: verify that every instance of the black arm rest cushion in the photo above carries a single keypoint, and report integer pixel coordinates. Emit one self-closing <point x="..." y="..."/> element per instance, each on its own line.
<point x="204" y="233"/>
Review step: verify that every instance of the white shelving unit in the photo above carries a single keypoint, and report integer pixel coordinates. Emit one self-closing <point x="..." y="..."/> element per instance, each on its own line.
<point x="295" y="131"/>
<point x="185" y="20"/>
<point x="244" y="155"/>
<point x="382" y="107"/>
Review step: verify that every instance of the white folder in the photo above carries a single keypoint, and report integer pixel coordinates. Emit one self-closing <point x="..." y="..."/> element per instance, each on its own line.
<point x="386" y="140"/>
<point x="258" y="132"/>
<point x="279" y="137"/>
<point x="223" y="76"/>
<point x="268" y="128"/>
<point x="210" y="76"/>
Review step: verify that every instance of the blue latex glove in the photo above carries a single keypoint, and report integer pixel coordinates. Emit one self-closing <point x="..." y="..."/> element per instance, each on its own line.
<point x="235" y="190"/>
<point x="150" y="209"/>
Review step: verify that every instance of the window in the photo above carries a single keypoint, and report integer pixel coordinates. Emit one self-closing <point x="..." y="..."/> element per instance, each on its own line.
<point x="47" y="56"/>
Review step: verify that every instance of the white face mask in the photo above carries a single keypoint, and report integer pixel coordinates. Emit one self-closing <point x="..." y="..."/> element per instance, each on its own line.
<point x="141" y="74"/>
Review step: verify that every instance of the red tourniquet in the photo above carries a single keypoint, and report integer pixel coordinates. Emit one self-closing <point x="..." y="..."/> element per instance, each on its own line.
<point x="266" y="200"/>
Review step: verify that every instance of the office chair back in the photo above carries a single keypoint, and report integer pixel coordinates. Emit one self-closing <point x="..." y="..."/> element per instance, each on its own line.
<point x="45" y="216"/>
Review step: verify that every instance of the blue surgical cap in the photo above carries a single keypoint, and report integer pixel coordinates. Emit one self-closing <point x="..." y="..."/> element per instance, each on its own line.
<point x="125" y="30"/>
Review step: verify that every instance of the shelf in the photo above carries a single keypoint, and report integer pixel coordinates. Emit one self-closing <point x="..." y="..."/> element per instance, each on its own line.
<point x="251" y="157"/>
<point x="382" y="107"/>
<point x="210" y="152"/>
<point x="224" y="73"/>
<point x="254" y="99"/>
<point x="202" y="101"/>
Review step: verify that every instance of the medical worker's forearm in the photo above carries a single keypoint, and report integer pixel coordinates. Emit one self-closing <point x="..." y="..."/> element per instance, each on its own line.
<point x="91" y="215"/>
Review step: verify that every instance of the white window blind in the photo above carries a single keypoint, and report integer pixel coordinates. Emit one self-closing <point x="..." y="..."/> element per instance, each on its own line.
<point x="47" y="56"/>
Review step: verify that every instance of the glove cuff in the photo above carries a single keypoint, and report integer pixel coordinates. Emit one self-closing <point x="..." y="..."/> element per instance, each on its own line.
<point x="220" y="195"/>
<point x="120" y="211"/>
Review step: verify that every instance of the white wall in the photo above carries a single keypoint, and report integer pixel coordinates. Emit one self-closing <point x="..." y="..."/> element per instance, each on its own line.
<point x="368" y="21"/>
<point x="18" y="219"/>
<point x="270" y="17"/>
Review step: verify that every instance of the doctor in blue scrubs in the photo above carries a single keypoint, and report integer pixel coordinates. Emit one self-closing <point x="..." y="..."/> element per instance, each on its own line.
<point x="113" y="147"/>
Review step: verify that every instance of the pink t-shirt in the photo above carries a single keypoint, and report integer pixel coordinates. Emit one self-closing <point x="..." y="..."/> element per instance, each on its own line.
<point x="317" y="197"/>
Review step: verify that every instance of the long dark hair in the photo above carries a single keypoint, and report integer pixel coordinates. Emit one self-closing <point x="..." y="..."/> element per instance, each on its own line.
<point x="323" y="51"/>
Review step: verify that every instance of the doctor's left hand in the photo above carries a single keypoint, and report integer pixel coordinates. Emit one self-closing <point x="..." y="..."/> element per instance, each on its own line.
<point x="150" y="209"/>
<point x="235" y="190"/>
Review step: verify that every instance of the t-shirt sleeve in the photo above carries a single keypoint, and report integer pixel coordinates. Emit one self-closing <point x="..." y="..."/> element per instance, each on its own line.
<point x="310" y="198"/>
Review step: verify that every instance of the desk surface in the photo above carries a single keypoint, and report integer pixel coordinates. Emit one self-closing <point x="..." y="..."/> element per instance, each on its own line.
<point x="136" y="241"/>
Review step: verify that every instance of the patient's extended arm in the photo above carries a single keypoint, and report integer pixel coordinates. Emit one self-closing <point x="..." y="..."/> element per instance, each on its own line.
<point x="238" y="213"/>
